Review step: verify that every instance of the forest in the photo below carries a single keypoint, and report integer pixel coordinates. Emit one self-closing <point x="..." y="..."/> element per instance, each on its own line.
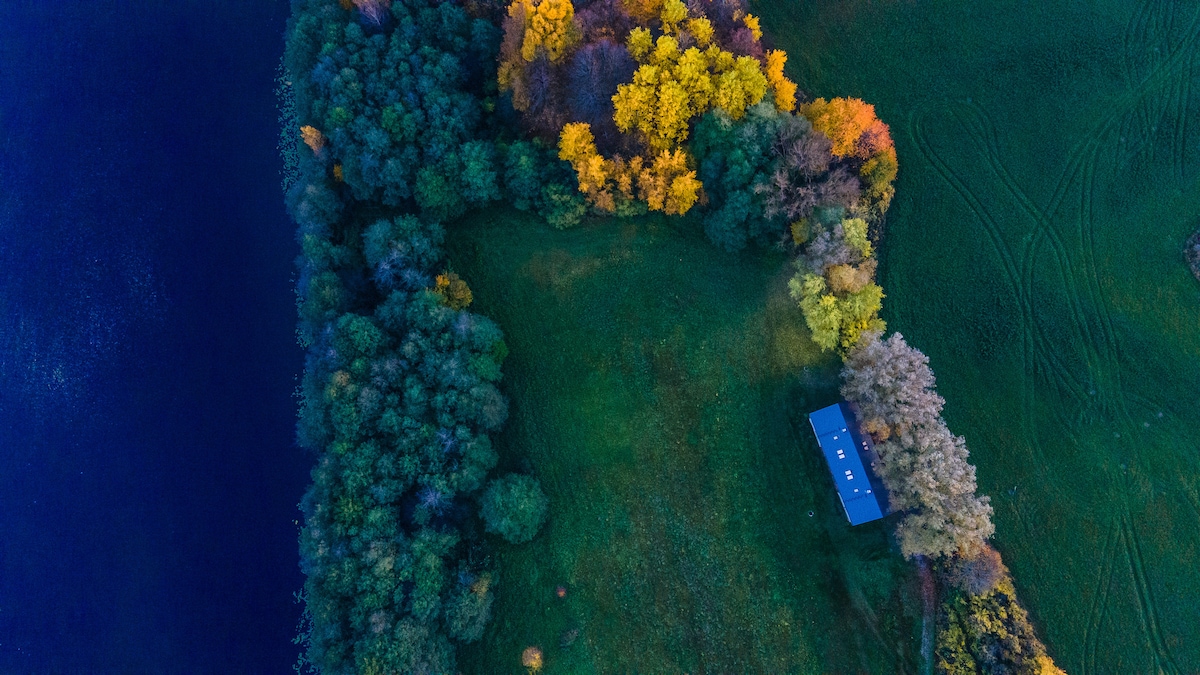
<point x="410" y="115"/>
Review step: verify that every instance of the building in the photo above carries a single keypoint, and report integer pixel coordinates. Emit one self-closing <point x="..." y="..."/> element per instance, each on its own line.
<point x="845" y="449"/>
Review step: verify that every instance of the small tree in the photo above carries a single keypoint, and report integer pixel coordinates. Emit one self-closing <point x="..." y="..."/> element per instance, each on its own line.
<point x="514" y="507"/>
<point x="977" y="574"/>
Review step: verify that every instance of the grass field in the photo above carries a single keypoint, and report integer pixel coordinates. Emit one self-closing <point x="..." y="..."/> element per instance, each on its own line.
<point x="1049" y="176"/>
<point x="659" y="390"/>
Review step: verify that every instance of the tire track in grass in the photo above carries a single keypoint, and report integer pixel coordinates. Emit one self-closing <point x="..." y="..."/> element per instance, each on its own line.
<point x="1179" y="61"/>
<point x="985" y="130"/>
<point x="1011" y="271"/>
<point x="1091" y="632"/>
<point x="1149" y="610"/>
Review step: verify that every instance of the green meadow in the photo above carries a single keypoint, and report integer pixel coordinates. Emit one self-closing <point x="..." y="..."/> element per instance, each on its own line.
<point x="1049" y="176"/>
<point x="658" y="390"/>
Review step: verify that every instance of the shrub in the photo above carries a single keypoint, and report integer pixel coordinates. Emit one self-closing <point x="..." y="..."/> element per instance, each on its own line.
<point x="514" y="507"/>
<point x="523" y="174"/>
<point x="562" y="206"/>
<point x="834" y="286"/>
<point x="453" y="291"/>
<point x="469" y="608"/>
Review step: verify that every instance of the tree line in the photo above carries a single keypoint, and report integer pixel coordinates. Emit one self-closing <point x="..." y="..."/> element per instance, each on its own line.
<point x="400" y="395"/>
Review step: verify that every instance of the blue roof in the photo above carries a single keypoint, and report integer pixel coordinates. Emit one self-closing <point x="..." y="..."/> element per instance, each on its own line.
<point x="842" y="445"/>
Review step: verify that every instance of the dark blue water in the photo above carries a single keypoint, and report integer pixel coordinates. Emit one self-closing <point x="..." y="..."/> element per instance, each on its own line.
<point x="148" y="475"/>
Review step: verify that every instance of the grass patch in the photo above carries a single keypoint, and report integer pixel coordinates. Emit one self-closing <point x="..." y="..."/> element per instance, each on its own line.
<point x="1049" y="171"/>
<point x="659" y="389"/>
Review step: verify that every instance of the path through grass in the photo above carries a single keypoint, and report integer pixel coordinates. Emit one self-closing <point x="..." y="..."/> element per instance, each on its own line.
<point x="659" y="389"/>
<point x="1050" y="173"/>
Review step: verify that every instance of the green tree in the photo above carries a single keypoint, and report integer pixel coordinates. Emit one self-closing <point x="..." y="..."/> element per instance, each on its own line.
<point x="514" y="507"/>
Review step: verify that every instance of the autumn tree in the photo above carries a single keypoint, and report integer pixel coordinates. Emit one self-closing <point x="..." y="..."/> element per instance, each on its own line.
<point x="863" y="139"/>
<point x="784" y="89"/>
<point x="892" y="385"/>
<point x="453" y="291"/>
<point x="835" y="286"/>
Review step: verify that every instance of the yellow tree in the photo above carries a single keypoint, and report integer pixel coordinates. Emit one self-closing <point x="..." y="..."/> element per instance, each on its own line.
<point x="549" y="25"/>
<point x="783" y="88"/>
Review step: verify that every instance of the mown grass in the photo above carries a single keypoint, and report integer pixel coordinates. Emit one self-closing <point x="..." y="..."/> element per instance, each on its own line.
<point x="1050" y="173"/>
<point x="659" y="389"/>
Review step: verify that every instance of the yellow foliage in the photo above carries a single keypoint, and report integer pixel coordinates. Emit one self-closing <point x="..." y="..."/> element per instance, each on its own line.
<point x="667" y="184"/>
<point x="785" y="89"/>
<point x="741" y="87"/>
<point x="576" y="141"/>
<point x="751" y="22"/>
<point x="854" y="230"/>
<point x="673" y="12"/>
<point x="577" y="145"/>
<point x="702" y="30"/>
<point x="1045" y="666"/>
<point x="548" y="24"/>
<point x="313" y="138"/>
<point x="639" y="43"/>
<point x="346" y="4"/>
<point x="801" y="231"/>
<point x="671" y="88"/>
<point x="338" y="174"/>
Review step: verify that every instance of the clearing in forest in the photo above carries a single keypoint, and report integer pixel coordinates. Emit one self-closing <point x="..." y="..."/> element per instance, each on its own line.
<point x="660" y="389"/>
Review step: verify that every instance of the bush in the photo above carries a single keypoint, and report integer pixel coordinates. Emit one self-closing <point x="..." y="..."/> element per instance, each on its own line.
<point x="469" y="608"/>
<point x="514" y="507"/>
<point x="562" y="206"/>
<point x="835" y="286"/>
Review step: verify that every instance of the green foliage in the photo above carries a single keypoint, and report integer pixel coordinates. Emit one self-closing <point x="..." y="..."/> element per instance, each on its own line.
<point x="399" y="107"/>
<point x="562" y="206"/>
<point x="400" y="393"/>
<point x="468" y="609"/>
<point x="523" y="163"/>
<point x="834" y="286"/>
<point x="734" y="157"/>
<point x="514" y="507"/>
<point x="855" y="233"/>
